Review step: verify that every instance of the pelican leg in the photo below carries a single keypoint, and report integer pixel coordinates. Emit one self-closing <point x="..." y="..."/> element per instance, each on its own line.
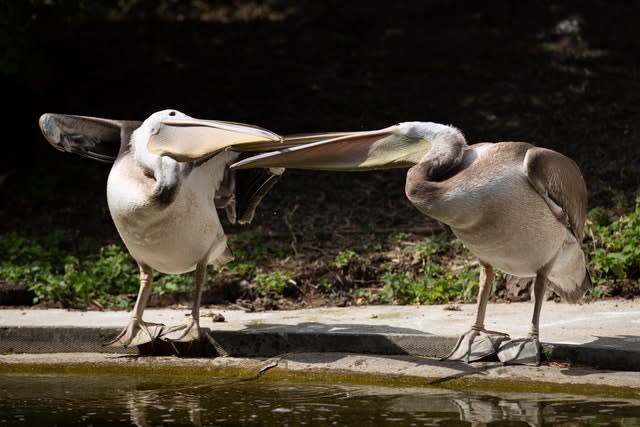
<point x="526" y="351"/>
<point x="190" y="331"/>
<point x="478" y="343"/>
<point x="138" y="332"/>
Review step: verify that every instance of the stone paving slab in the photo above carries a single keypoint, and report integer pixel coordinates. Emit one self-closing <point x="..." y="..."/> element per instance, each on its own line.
<point x="603" y="334"/>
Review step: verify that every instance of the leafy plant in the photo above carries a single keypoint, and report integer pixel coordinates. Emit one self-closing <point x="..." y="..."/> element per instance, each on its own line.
<point x="399" y="237"/>
<point x="364" y="296"/>
<point x="167" y="283"/>
<point x="434" y="284"/>
<point x="616" y="253"/>
<point x="344" y="258"/>
<point x="272" y="284"/>
<point x="54" y="276"/>
<point x="251" y="249"/>
<point x="436" y="279"/>
<point x="104" y="280"/>
<point x="436" y="244"/>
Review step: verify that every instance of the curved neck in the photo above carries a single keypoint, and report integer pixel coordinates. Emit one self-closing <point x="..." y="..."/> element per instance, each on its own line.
<point x="164" y="170"/>
<point x="446" y="154"/>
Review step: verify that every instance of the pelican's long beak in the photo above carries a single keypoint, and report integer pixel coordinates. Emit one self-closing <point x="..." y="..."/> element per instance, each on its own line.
<point x="186" y="139"/>
<point x="356" y="151"/>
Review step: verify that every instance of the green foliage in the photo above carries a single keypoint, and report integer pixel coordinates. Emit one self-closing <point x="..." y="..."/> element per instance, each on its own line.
<point x="167" y="283"/>
<point x="616" y="253"/>
<point x="364" y="296"/>
<point x="103" y="280"/>
<point x="272" y="284"/>
<point x="344" y="258"/>
<point x="436" y="280"/>
<point x="399" y="237"/>
<point x="325" y="286"/>
<point x="250" y="249"/>
<point x="53" y="276"/>
<point x="433" y="270"/>
<point x="433" y="285"/>
<point x="599" y="291"/>
<point x="598" y="216"/>
<point x="111" y="278"/>
<point x="433" y="245"/>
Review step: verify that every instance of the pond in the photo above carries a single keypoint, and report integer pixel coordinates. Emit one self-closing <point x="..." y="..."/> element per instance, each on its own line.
<point x="125" y="400"/>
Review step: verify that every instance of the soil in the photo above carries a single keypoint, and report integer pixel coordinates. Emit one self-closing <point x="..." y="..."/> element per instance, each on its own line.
<point x="560" y="74"/>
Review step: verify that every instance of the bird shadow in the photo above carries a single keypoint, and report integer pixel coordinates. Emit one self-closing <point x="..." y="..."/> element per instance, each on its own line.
<point x="272" y="339"/>
<point x="320" y="343"/>
<point x="317" y="343"/>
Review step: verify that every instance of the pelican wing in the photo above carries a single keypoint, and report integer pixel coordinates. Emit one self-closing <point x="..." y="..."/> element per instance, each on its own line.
<point x="559" y="180"/>
<point x="188" y="139"/>
<point x="93" y="137"/>
<point x="251" y="186"/>
<point x="241" y="191"/>
<point x="353" y="151"/>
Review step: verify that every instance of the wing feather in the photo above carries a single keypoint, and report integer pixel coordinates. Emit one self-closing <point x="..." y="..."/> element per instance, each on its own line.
<point x="92" y="137"/>
<point x="559" y="180"/>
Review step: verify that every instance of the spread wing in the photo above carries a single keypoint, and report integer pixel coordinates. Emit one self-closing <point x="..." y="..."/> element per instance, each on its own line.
<point x="92" y="137"/>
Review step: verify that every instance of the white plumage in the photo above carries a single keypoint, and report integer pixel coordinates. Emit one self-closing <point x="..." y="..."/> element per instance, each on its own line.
<point x="166" y="210"/>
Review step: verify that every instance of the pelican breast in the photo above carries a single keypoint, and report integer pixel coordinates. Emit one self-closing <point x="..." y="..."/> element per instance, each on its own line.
<point x="169" y="237"/>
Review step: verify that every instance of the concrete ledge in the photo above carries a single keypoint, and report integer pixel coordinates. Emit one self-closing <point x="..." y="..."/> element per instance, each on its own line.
<point x="618" y="359"/>
<point x="41" y="340"/>
<point x="253" y="343"/>
<point x="604" y="335"/>
<point x="343" y="368"/>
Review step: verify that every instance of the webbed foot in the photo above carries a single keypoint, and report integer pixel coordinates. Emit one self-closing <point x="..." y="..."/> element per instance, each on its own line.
<point x="136" y="333"/>
<point x="522" y="351"/>
<point x="188" y="332"/>
<point x="476" y="344"/>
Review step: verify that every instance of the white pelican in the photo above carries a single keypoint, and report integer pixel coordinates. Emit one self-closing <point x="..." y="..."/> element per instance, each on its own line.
<point x="163" y="209"/>
<point x="517" y="207"/>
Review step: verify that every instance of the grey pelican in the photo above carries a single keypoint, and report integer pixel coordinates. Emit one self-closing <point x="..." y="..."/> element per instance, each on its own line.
<point x="163" y="209"/>
<point x="516" y="207"/>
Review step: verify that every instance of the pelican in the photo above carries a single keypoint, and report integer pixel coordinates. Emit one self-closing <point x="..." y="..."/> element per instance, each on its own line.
<point x="164" y="209"/>
<point x="516" y="207"/>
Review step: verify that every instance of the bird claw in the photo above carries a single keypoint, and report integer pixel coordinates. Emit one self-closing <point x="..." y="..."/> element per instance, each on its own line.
<point x="188" y="332"/>
<point x="136" y="333"/>
<point x="522" y="351"/>
<point x="476" y="344"/>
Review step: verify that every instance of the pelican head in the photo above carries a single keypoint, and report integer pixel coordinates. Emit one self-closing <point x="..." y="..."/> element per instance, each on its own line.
<point x="183" y="138"/>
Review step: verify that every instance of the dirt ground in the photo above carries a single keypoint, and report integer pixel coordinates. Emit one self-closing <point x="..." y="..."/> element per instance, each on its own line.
<point x="562" y="74"/>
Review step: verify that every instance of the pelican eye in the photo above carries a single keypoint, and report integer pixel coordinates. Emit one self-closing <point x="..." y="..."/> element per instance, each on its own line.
<point x="172" y="113"/>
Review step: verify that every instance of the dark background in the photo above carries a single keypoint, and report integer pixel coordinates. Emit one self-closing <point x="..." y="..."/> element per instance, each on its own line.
<point x="559" y="74"/>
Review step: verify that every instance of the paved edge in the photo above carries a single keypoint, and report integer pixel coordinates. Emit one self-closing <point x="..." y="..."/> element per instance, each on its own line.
<point x="42" y="340"/>
<point x="340" y="368"/>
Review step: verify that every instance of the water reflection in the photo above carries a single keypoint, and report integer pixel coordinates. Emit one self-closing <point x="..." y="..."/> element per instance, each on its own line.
<point x="137" y="401"/>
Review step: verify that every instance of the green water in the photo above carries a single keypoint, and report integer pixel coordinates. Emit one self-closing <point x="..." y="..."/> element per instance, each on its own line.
<point x="100" y="400"/>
